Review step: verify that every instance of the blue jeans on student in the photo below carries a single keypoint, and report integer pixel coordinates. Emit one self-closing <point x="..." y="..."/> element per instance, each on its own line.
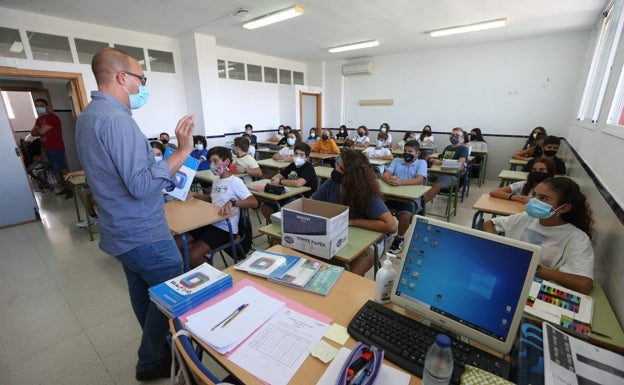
<point x="145" y="266"/>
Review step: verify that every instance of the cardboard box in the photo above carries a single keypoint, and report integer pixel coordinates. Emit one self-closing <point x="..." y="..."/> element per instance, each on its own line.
<point x="315" y="227"/>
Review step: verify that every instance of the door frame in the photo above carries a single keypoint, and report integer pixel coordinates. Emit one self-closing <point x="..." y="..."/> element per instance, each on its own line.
<point x="319" y="108"/>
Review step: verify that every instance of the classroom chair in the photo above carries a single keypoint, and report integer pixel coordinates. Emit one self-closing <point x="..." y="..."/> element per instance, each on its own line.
<point x="241" y="244"/>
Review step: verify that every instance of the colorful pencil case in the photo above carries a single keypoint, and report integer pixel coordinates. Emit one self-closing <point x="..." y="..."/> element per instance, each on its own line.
<point x="362" y="366"/>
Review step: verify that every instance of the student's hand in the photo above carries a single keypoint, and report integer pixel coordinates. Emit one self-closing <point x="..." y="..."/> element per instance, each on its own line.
<point x="239" y="169"/>
<point x="226" y="208"/>
<point x="521" y="199"/>
<point x="275" y="181"/>
<point x="184" y="133"/>
<point x="192" y="195"/>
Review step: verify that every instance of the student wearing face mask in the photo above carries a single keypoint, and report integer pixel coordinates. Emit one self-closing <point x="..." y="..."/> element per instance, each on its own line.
<point x="534" y="151"/>
<point x="326" y="144"/>
<point x="522" y="191"/>
<point x="280" y="134"/>
<point x="408" y="170"/>
<point x="426" y="137"/>
<point x="379" y="151"/>
<point x="550" y="148"/>
<point x="127" y="184"/>
<point x="243" y="162"/>
<point x="353" y="183"/>
<point x="312" y="137"/>
<point x="530" y="142"/>
<point x="361" y="138"/>
<point x="299" y="173"/>
<point x="200" y="152"/>
<point x="164" y="139"/>
<point x="409" y="135"/>
<point x="230" y="194"/>
<point x="249" y="131"/>
<point x="559" y="220"/>
<point x="286" y="153"/>
<point x="457" y="151"/>
<point x="159" y="150"/>
<point x="385" y="127"/>
<point x="342" y="133"/>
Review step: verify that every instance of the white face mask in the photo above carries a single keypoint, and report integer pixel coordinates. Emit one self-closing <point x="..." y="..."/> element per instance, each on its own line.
<point x="299" y="161"/>
<point x="158" y="158"/>
<point x="199" y="147"/>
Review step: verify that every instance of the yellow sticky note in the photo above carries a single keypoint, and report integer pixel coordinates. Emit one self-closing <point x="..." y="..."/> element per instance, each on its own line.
<point x="323" y="351"/>
<point x="337" y="333"/>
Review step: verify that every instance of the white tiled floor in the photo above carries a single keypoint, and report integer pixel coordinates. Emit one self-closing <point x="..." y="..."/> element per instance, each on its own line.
<point x="66" y="317"/>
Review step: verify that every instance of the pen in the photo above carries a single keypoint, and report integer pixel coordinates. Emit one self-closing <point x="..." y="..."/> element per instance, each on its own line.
<point x="358" y="364"/>
<point x="363" y="374"/>
<point x="229" y="318"/>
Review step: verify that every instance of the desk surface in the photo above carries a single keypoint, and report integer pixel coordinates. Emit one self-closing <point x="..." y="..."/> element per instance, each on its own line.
<point x="413" y="191"/>
<point x="379" y="162"/>
<point x="192" y="214"/>
<point x="513" y="175"/>
<point x="270" y="163"/>
<point x="350" y="286"/>
<point x="322" y="155"/>
<point x="292" y="191"/>
<point x="77" y="180"/>
<point x="437" y="169"/>
<point x="497" y="206"/>
<point x="518" y="162"/>
<point x="359" y="240"/>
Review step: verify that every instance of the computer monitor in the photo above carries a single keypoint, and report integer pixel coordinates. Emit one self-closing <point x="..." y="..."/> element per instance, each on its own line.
<point x="466" y="281"/>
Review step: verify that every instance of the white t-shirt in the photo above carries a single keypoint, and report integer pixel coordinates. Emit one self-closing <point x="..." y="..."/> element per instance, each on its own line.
<point x="427" y="139"/>
<point x="247" y="162"/>
<point x="361" y="139"/>
<point x="286" y="151"/>
<point x="516" y="187"/>
<point x="222" y="191"/>
<point x="479" y="146"/>
<point x="565" y="248"/>
<point x="374" y="152"/>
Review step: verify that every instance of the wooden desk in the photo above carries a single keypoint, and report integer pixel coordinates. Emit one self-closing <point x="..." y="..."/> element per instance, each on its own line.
<point x="292" y="191"/>
<point x="508" y="176"/>
<point x="266" y="153"/>
<point x="272" y="164"/>
<point x="406" y="193"/>
<point x="183" y="217"/>
<point x="342" y="303"/>
<point x="495" y="206"/>
<point x="323" y="172"/>
<point x="514" y="163"/>
<point x="605" y="322"/>
<point x="453" y="189"/>
<point x="483" y="166"/>
<point x="322" y="155"/>
<point x="379" y="162"/>
<point x="78" y="183"/>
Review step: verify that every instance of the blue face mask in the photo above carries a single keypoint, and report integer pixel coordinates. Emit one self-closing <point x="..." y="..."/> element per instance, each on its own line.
<point x="290" y="141"/>
<point x="538" y="209"/>
<point x="379" y="143"/>
<point x="41" y="110"/>
<point x="138" y="100"/>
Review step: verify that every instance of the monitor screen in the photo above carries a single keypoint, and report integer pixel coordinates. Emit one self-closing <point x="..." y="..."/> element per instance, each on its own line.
<point x="466" y="281"/>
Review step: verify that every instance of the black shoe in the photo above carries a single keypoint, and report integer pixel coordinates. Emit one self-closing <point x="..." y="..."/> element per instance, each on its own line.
<point x="162" y="370"/>
<point x="69" y="195"/>
<point x="397" y="245"/>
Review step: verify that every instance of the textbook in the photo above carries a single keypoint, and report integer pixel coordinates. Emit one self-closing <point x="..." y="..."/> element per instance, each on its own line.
<point x="321" y="282"/>
<point x="268" y="264"/>
<point x="559" y="305"/>
<point x="184" y="176"/>
<point x="184" y="292"/>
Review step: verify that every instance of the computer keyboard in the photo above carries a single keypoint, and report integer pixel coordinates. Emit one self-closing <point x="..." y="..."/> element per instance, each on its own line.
<point x="406" y="341"/>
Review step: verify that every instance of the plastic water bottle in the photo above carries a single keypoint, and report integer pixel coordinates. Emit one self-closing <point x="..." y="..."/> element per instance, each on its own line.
<point x="385" y="280"/>
<point x="438" y="362"/>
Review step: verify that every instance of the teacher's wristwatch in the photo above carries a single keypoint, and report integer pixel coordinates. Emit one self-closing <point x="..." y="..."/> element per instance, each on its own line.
<point x="233" y="202"/>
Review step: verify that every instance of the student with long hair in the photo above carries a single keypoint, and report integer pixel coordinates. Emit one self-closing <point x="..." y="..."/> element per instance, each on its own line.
<point x="361" y="138"/>
<point x="530" y="142"/>
<point x="426" y="138"/>
<point x="522" y="191"/>
<point x="353" y="183"/>
<point x="286" y="153"/>
<point x="559" y="220"/>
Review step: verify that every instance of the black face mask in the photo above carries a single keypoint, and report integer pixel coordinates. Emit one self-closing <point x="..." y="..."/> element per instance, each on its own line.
<point x="537" y="177"/>
<point x="550" y="153"/>
<point x="325" y="137"/>
<point x="164" y="141"/>
<point x="454" y="139"/>
<point x="360" y="133"/>
<point x="427" y="133"/>
<point x="336" y="176"/>
<point x="408" y="157"/>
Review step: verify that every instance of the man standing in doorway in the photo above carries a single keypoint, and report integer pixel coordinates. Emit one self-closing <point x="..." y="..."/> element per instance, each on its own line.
<point x="48" y="128"/>
<point x="127" y="183"/>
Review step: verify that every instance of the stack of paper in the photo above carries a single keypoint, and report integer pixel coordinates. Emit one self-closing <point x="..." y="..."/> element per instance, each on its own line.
<point x="227" y="323"/>
<point x="184" y="292"/>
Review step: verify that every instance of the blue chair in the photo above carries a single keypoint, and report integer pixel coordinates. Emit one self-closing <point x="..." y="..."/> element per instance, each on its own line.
<point x="191" y="365"/>
<point x="237" y="245"/>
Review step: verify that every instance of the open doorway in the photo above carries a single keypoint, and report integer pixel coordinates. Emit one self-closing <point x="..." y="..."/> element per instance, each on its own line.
<point x="310" y="111"/>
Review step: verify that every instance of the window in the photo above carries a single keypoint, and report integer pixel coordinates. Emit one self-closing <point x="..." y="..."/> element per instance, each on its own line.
<point x="297" y="77"/>
<point x="49" y="47"/>
<point x="160" y="61"/>
<point x="284" y="77"/>
<point x="87" y="48"/>
<point x="254" y="73"/>
<point x="606" y="36"/>
<point x="135" y="52"/>
<point x="221" y="69"/>
<point x="270" y="75"/>
<point x="236" y="70"/>
<point x="11" y="43"/>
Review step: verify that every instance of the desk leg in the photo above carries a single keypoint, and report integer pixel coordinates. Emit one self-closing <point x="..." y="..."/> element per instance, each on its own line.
<point x="86" y="207"/>
<point x="376" y="259"/>
<point x="476" y="218"/>
<point x="229" y="223"/>
<point x="76" y="202"/>
<point x="185" y="253"/>
<point x="482" y="169"/>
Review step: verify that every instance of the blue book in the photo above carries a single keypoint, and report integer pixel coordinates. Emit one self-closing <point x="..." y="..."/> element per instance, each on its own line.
<point x="268" y="264"/>
<point x="184" y="176"/>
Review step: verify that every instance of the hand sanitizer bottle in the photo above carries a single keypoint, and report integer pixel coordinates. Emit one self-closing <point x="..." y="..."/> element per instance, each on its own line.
<point x="385" y="280"/>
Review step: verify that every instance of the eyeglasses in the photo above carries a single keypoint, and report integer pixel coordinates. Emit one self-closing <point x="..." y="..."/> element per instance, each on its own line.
<point x="143" y="78"/>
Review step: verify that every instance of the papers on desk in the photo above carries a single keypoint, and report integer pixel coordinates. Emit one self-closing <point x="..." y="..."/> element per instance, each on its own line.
<point x="571" y="361"/>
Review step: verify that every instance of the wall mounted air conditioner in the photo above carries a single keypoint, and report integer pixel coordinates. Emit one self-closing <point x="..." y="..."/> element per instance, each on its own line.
<point x="361" y="68"/>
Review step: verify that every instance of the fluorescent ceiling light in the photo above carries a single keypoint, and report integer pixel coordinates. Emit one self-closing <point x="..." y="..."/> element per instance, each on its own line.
<point x="274" y="17"/>
<point x="469" y="28"/>
<point x="352" y="46"/>
<point x="17" y="47"/>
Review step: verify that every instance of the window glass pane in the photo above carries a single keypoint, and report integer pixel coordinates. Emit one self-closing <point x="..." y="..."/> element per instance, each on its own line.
<point x="135" y="52"/>
<point x="254" y="73"/>
<point x="297" y="77"/>
<point x="49" y="47"/>
<point x="270" y="75"/>
<point x="87" y="48"/>
<point x="236" y="70"/>
<point x="11" y="43"/>
<point x="284" y="77"/>
<point x="161" y="61"/>
<point x="221" y="68"/>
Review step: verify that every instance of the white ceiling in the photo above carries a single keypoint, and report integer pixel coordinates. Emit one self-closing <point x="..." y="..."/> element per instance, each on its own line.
<point x="400" y="25"/>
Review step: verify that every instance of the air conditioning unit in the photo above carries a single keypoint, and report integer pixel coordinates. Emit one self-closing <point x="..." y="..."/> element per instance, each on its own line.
<point x="358" y="68"/>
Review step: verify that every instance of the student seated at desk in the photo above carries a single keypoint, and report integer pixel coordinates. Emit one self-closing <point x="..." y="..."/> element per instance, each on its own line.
<point x="286" y="153"/>
<point x="299" y="173"/>
<point x="521" y="192"/>
<point x="477" y="141"/>
<point x="342" y="133"/>
<point x="326" y="144"/>
<point x="353" y="183"/>
<point x="361" y="140"/>
<point x="312" y="137"/>
<point x="409" y="135"/>
<point x="228" y="192"/>
<point x="252" y="148"/>
<point x="559" y="220"/>
<point x="379" y="151"/>
<point x="280" y="134"/>
<point x="549" y="150"/>
<point x="244" y="163"/>
<point x="159" y="150"/>
<point x="407" y="171"/>
<point x="530" y="142"/>
<point x="534" y="151"/>
<point x="457" y="151"/>
<point x="200" y="152"/>
<point x="287" y="130"/>
<point x="385" y="128"/>
<point x="426" y="138"/>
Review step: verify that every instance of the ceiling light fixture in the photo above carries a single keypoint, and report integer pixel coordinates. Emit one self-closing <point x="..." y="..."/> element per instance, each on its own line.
<point x="16" y="47"/>
<point x="468" y="28"/>
<point x="274" y="17"/>
<point x="352" y="46"/>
